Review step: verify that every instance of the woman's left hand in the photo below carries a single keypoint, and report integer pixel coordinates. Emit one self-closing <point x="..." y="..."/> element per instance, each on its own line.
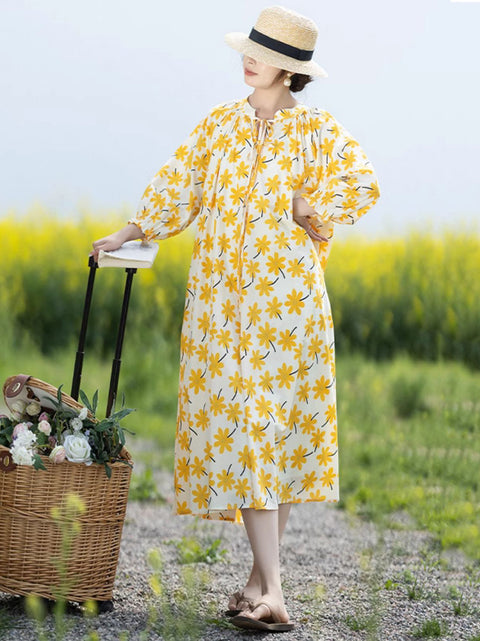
<point x="301" y="215"/>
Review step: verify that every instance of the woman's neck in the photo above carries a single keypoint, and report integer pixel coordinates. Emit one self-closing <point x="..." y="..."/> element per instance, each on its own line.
<point x="267" y="101"/>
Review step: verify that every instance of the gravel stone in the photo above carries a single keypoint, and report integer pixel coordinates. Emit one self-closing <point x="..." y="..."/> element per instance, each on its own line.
<point x="334" y="573"/>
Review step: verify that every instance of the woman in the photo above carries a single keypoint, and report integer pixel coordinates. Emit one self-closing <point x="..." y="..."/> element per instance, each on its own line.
<point x="266" y="177"/>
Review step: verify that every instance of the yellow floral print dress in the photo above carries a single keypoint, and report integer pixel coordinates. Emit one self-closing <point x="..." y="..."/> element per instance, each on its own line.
<point x="256" y="421"/>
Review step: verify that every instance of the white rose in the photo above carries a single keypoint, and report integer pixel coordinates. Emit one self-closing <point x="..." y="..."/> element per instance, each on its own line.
<point x="45" y="427"/>
<point x="77" y="448"/>
<point x="76" y="424"/>
<point x="21" y="455"/>
<point x="83" y="414"/>
<point x="33" y="408"/>
<point x="25" y="438"/>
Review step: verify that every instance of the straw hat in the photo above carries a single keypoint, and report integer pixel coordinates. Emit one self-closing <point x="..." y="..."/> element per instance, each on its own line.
<point x="281" y="38"/>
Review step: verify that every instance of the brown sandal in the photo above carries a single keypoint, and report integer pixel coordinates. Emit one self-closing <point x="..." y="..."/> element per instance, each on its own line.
<point x="240" y="597"/>
<point x="270" y="623"/>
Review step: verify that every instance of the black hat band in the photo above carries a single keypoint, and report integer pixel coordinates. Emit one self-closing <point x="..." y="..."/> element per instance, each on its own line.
<point x="280" y="47"/>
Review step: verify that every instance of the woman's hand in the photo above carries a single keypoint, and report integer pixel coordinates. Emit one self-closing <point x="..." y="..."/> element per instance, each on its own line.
<point x="116" y="240"/>
<point x="301" y="215"/>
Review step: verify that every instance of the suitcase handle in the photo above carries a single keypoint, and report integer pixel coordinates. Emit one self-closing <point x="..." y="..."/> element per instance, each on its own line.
<point x="77" y="372"/>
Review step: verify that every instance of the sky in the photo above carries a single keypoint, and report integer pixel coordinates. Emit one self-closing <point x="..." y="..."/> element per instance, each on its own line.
<point x="95" y="95"/>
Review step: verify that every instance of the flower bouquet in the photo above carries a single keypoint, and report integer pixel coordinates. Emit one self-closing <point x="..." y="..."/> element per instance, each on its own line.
<point x="61" y="431"/>
<point x="51" y="448"/>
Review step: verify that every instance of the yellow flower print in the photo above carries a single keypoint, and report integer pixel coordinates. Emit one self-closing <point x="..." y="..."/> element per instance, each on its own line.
<point x="242" y="136"/>
<point x="233" y="412"/>
<point x="267" y="453"/>
<point x="274" y="308"/>
<point x="264" y="286"/>
<point x="182" y="468"/>
<point x="249" y="385"/>
<point x="223" y="440"/>
<point x="261" y="204"/>
<point x="309" y="480"/>
<point x="296" y="267"/>
<point x="264" y="480"/>
<point x="183" y="439"/>
<point x="248" y="459"/>
<point x="285" y="163"/>
<point x="157" y="200"/>
<point x="224" y="338"/>
<point x="225" y="179"/>
<point x="310" y="326"/>
<point x="295" y="302"/>
<point x="321" y="388"/>
<point x="197" y="380"/>
<point x="200" y="496"/>
<point x="272" y="184"/>
<point x="304" y="392"/>
<point x="197" y="468"/>
<point x="286" y="493"/>
<point x="262" y="245"/>
<point x="325" y="456"/>
<point x="217" y="404"/>
<point x="257" y="432"/>
<point x="316" y="496"/>
<point x="276" y="264"/>
<point x="327" y="354"/>
<point x="328" y="476"/>
<point x="235" y="383"/>
<point x="308" y="424"/>
<point x="303" y="369"/>
<point x="282" y="461"/>
<point x="216" y="366"/>
<point x="229" y="310"/>
<point x="201" y="419"/>
<point x="317" y="438"/>
<point x="230" y="217"/>
<point x="264" y="407"/>
<point x="287" y="339"/>
<point x="207" y="450"/>
<point x="242" y="170"/>
<point x="226" y="480"/>
<point x="242" y="488"/>
<point x="237" y="194"/>
<point x="314" y="347"/>
<point x="327" y="145"/>
<point x="275" y="147"/>
<point x="282" y="204"/>
<point x="334" y="436"/>
<point x="202" y="353"/>
<point x="331" y="413"/>
<point x="266" y="335"/>
<point x="285" y="376"/>
<point x="257" y="359"/>
<point x="266" y="382"/>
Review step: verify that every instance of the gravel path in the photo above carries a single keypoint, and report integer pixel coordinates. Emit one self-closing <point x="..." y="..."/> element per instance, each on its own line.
<point x="335" y="574"/>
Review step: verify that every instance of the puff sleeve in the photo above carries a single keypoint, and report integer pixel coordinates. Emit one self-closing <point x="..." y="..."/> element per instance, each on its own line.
<point x="173" y="198"/>
<point x="345" y="185"/>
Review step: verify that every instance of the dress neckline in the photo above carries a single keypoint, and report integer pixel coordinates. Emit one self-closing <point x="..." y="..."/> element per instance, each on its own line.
<point x="286" y="112"/>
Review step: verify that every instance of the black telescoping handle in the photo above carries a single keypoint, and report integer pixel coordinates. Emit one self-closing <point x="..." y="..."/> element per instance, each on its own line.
<point x="112" y="392"/>
<point x="77" y="371"/>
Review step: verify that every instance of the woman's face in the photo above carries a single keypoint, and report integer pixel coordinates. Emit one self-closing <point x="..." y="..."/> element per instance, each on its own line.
<point x="259" y="75"/>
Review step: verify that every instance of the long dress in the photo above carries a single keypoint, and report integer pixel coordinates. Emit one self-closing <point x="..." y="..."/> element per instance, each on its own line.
<point x="256" y="422"/>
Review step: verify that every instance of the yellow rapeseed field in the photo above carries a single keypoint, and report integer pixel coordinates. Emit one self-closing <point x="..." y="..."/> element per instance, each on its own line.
<point x="417" y="294"/>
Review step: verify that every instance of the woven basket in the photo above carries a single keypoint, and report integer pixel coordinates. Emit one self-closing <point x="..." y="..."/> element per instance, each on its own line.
<point x="30" y="539"/>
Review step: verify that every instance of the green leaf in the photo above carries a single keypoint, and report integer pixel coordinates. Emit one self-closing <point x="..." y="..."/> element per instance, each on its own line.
<point x="108" y="470"/>
<point x="38" y="463"/>
<point x="85" y="401"/>
<point x="95" y="402"/>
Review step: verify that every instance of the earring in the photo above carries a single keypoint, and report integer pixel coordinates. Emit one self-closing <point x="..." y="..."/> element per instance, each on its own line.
<point x="287" y="82"/>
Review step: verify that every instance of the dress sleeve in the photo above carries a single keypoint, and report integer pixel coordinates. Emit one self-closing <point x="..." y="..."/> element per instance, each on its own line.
<point x="173" y="198"/>
<point x="345" y="185"/>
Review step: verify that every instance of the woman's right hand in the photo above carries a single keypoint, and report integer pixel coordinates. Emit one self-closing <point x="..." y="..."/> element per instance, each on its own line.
<point x="116" y="240"/>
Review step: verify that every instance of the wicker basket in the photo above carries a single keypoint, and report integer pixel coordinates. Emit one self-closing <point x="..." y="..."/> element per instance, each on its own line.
<point x="30" y="539"/>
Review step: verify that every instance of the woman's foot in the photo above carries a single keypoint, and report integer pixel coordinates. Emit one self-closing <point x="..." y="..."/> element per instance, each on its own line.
<point x="244" y="599"/>
<point x="268" y="614"/>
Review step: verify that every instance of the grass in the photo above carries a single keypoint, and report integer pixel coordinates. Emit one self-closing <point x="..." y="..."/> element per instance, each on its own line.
<point x="430" y="628"/>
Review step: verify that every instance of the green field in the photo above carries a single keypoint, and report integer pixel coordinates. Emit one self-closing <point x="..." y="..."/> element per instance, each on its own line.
<point x="409" y="429"/>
